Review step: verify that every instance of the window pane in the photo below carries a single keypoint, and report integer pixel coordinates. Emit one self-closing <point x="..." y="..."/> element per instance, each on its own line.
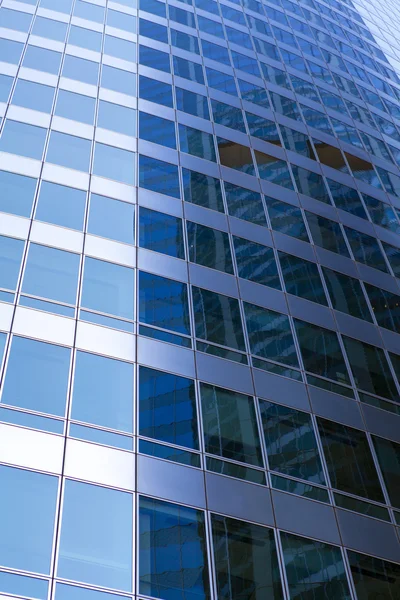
<point x="33" y="95"/>
<point x="157" y="130"/>
<point x="385" y="306"/>
<point x="246" y="560"/>
<point x="290" y="442"/>
<point x="158" y="176"/>
<point x="302" y="278"/>
<point x="114" y="163"/>
<point x="313" y="569"/>
<point x="256" y="262"/>
<point x="37" y="376"/>
<point x="217" y="318"/>
<point x="163" y="302"/>
<point x="327" y="234"/>
<point x="80" y="69"/>
<point x="85" y="38"/>
<point x="42" y="59"/>
<point x="51" y="273"/>
<point x="161" y="233"/>
<point x="103" y="392"/>
<point x="374" y="577"/>
<point x="194" y="104"/>
<point x="167" y="408"/>
<point x="270" y="335"/>
<point x="96" y="536"/>
<point x="273" y="170"/>
<point x="321" y="352"/>
<point x="155" y="91"/>
<point x="350" y="464"/>
<point x="75" y="106"/>
<point x="25" y="140"/>
<point x="28" y="504"/>
<point x="196" y="142"/>
<point x="69" y="151"/>
<point x="286" y="219"/>
<point x="172" y="551"/>
<point x="366" y="249"/>
<point x="346" y="294"/>
<point x="203" y="190"/>
<point x="244" y="204"/>
<point x="388" y="453"/>
<point x="118" y="80"/>
<point x="209" y="247"/>
<point x="230" y="425"/>
<point x="108" y="288"/>
<point x="111" y="219"/>
<point x="11" y="251"/>
<point x="370" y="368"/>
<point x="61" y="205"/>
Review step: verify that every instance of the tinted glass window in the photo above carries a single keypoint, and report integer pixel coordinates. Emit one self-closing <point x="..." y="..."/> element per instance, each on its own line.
<point x="161" y="233"/>
<point x="346" y="294"/>
<point x="112" y="219"/>
<point x="230" y="425"/>
<point x="209" y="247"/>
<point x="172" y="551"/>
<point x="203" y="190"/>
<point x="348" y="456"/>
<point x="108" y="288"/>
<point x="302" y="278"/>
<point x="256" y="262"/>
<point x="164" y="303"/>
<point x="103" y="392"/>
<point x="167" y="408"/>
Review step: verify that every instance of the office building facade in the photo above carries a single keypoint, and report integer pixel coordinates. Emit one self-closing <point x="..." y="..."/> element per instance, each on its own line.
<point x="199" y="300"/>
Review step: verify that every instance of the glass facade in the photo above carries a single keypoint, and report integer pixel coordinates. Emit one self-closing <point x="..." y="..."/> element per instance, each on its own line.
<point x="199" y="299"/>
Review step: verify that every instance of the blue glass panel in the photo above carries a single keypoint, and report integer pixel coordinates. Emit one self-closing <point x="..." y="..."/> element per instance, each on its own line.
<point x="167" y="408"/>
<point x="69" y="151"/>
<point x="164" y="303"/>
<point x="61" y="205"/>
<point x="18" y="417"/>
<point x="16" y="193"/>
<point x="172" y="551"/>
<point x="6" y="83"/>
<point x="97" y="381"/>
<point x="118" y="80"/>
<point x="96" y="536"/>
<point x="114" y="163"/>
<point x="161" y="233"/>
<point x="108" y="288"/>
<point x="70" y="592"/>
<point x="37" y="376"/>
<point x="50" y="29"/>
<point x="25" y="140"/>
<point x="42" y="59"/>
<point x="99" y="436"/>
<point x="111" y="219"/>
<point x="18" y="585"/>
<point x="85" y="38"/>
<point x="116" y="118"/>
<point x="75" y="106"/>
<point x="158" y="176"/>
<point x="11" y="251"/>
<point x="11" y="51"/>
<point x="51" y="273"/>
<point x="27" y="517"/>
<point x="33" y="95"/>
<point x="80" y="69"/>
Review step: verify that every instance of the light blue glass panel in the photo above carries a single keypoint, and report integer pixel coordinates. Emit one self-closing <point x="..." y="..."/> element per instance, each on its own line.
<point x="51" y="273"/>
<point x="15" y="19"/>
<point x="103" y="392"/>
<point x="121" y="20"/>
<point x="10" y="51"/>
<point x="37" y="376"/>
<point x="116" y="118"/>
<point x="10" y="261"/>
<point x="96" y="536"/>
<point x="63" y="6"/>
<point x="91" y="12"/>
<point x="18" y="585"/>
<point x="27" y="515"/>
<point x="114" y="163"/>
<point x="108" y="288"/>
<point x="70" y="592"/>
<point x="112" y="219"/>
<point x="119" y="48"/>
<point x="80" y="69"/>
<point x="85" y="38"/>
<point x="42" y="59"/>
<point x="61" y="205"/>
<point x="69" y="151"/>
<point x="50" y="29"/>
<point x="16" y="193"/>
<point x="6" y="83"/>
<point x="118" y="80"/>
<point x="33" y="95"/>
<point x="25" y="140"/>
<point x="75" y="106"/>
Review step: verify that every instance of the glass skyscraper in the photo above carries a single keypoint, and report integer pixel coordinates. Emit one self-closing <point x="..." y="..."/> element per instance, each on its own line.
<point x="200" y="300"/>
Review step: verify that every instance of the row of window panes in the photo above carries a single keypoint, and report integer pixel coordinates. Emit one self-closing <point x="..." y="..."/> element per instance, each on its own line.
<point x="96" y="542"/>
